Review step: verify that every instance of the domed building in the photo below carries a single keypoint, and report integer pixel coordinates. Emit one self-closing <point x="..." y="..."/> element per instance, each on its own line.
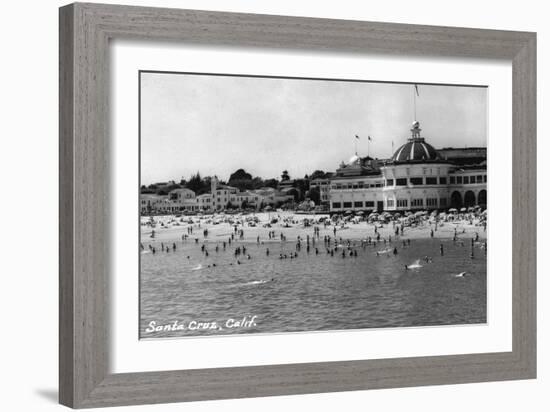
<point x="416" y="149"/>
<point x="416" y="177"/>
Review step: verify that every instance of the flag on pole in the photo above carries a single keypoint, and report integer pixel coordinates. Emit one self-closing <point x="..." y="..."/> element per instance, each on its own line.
<point x="357" y="137"/>
<point x="370" y="139"/>
<point x="416" y="90"/>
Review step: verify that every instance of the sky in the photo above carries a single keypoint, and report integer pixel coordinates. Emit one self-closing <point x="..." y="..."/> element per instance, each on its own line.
<point x="217" y="124"/>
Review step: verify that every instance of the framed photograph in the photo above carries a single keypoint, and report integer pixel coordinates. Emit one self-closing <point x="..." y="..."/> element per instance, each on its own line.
<point x="257" y="205"/>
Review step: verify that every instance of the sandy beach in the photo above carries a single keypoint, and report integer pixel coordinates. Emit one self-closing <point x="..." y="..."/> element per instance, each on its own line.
<point x="220" y="227"/>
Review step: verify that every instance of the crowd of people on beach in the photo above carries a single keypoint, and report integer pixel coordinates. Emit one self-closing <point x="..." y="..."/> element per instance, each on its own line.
<point x="311" y="242"/>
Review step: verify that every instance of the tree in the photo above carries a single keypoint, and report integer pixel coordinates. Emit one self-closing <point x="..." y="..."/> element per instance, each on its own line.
<point x="285" y="176"/>
<point x="206" y="184"/>
<point x="295" y="193"/>
<point x="318" y="174"/>
<point x="241" y="180"/>
<point x="303" y="186"/>
<point x="315" y="195"/>
<point x="195" y="183"/>
<point x="198" y="184"/>
<point x="274" y="183"/>
<point x="257" y="183"/>
<point x="145" y="190"/>
<point x="171" y="187"/>
<point x="240" y="174"/>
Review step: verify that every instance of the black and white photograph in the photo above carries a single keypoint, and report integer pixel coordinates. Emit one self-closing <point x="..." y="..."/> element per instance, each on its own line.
<point x="277" y="205"/>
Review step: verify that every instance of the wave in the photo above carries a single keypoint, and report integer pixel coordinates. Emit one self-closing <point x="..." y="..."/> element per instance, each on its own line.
<point x="258" y="282"/>
<point x="198" y="267"/>
<point x="415" y="265"/>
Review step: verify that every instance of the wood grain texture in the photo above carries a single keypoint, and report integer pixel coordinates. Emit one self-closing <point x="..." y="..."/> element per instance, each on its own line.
<point x="85" y="31"/>
<point x="66" y="107"/>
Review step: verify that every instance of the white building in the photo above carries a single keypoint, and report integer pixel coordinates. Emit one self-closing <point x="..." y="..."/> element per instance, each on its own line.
<point x="221" y="194"/>
<point x="204" y="202"/>
<point x="416" y="177"/>
<point x="150" y="203"/>
<point x="184" y="200"/>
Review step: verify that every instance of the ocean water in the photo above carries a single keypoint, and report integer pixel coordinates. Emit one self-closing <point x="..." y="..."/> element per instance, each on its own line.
<point x="313" y="292"/>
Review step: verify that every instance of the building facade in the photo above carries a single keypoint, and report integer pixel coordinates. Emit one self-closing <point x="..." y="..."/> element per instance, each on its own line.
<point x="323" y="185"/>
<point x="416" y="177"/>
<point x="220" y="198"/>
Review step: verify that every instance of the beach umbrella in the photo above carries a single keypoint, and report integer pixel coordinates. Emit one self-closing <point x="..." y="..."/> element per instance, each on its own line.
<point x="397" y="214"/>
<point x="360" y="213"/>
<point x="348" y="212"/>
<point x="463" y="209"/>
<point x="453" y="210"/>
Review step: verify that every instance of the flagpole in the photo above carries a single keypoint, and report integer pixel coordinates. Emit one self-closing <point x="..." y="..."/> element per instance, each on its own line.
<point x="355" y="140"/>
<point x="414" y="99"/>
<point x="415" y="93"/>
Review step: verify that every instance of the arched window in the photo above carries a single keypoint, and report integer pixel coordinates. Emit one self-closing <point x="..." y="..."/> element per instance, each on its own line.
<point x="482" y="198"/>
<point x="456" y="200"/>
<point x="469" y="199"/>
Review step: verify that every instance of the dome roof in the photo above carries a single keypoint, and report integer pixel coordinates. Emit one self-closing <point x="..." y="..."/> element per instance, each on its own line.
<point x="416" y="149"/>
<point x="353" y="159"/>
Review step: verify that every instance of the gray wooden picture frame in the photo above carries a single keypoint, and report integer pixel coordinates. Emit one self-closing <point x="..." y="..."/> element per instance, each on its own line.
<point x="85" y="31"/>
